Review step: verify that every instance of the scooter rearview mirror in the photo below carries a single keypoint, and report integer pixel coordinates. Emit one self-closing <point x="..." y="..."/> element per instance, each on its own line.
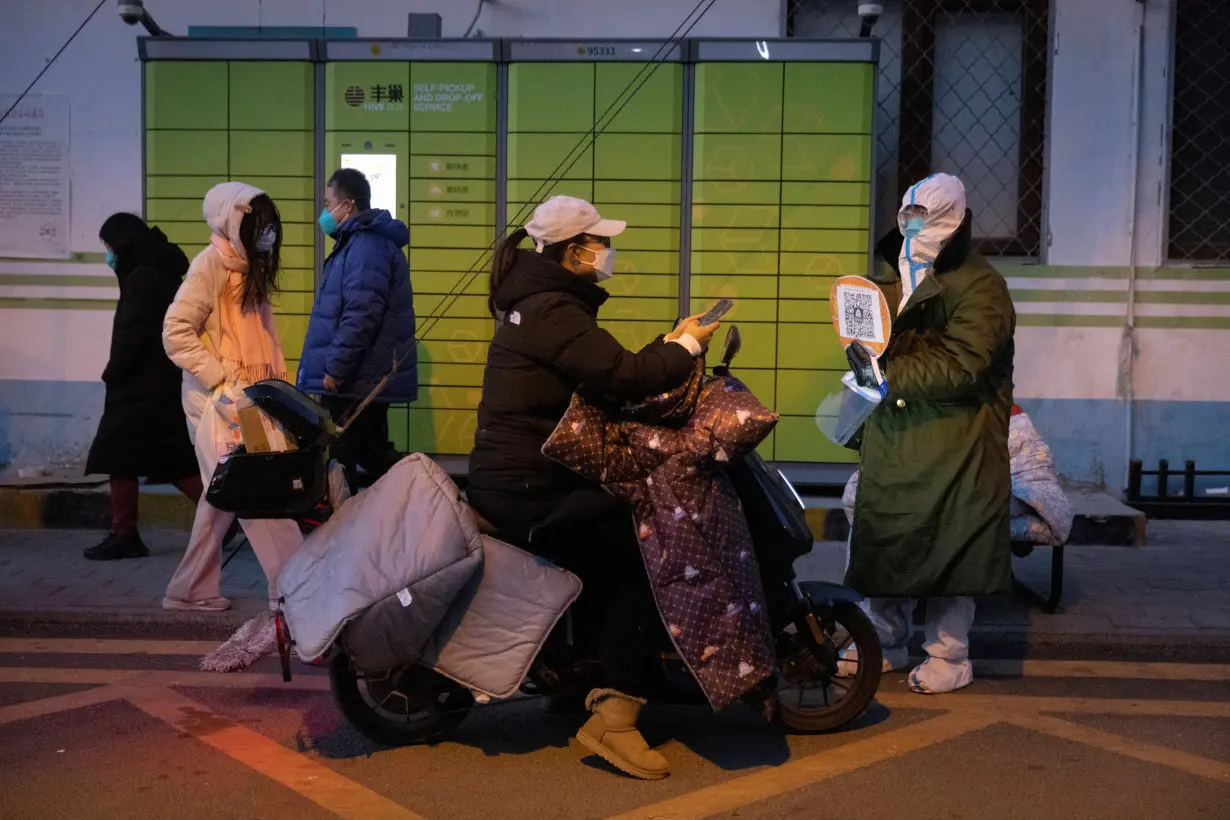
<point x="732" y="345"/>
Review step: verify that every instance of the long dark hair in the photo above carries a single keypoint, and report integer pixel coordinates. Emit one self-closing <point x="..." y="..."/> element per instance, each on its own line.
<point x="261" y="281"/>
<point x="506" y="256"/>
<point x="123" y="232"/>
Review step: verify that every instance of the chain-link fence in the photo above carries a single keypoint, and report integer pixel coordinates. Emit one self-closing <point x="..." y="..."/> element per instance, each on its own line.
<point x="1200" y="142"/>
<point x="962" y="89"/>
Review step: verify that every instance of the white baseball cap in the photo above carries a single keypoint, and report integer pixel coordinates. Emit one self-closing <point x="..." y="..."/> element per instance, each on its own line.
<point x="563" y="217"/>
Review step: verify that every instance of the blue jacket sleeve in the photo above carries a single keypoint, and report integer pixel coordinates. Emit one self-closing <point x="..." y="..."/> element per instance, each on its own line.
<point x="365" y="293"/>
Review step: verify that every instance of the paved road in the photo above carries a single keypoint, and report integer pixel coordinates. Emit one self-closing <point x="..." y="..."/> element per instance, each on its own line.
<point x="93" y="727"/>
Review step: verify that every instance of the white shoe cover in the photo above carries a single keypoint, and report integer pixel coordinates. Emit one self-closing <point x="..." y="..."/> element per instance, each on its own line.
<point x="894" y="660"/>
<point x="935" y="676"/>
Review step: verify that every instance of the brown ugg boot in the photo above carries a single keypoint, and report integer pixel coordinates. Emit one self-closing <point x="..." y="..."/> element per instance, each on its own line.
<point x="612" y="735"/>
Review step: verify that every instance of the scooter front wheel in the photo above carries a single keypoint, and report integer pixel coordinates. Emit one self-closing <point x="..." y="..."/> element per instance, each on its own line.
<point x="407" y="706"/>
<point x="812" y="696"/>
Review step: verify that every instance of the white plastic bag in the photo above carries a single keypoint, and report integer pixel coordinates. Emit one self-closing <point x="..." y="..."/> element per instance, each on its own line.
<point x="218" y="431"/>
<point x="339" y="488"/>
<point x="841" y="415"/>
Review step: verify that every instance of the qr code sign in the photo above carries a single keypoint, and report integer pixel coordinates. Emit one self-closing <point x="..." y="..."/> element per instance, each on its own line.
<point x="859" y="314"/>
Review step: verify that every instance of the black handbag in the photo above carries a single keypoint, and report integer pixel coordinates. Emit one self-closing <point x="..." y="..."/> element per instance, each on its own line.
<point x="269" y="485"/>
<point x="288" y="484"/>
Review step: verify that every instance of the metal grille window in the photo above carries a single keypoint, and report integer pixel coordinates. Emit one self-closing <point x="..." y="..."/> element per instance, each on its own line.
<point x="963" y="90"/>
<point x="1200" y="162"/>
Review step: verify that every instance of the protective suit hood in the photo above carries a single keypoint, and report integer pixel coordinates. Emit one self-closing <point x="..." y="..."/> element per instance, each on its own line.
<point x="224" y="208"/>
<point x="931" y="213"/>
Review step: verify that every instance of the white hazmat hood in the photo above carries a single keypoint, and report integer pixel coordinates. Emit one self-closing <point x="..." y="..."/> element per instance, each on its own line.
<point x="931" y="212"/>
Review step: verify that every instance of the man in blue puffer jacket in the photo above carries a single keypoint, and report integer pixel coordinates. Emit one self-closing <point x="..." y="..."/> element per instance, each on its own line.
<point x="362" y="321"/>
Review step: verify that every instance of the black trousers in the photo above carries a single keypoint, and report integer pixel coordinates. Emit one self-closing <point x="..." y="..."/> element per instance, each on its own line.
<point x="615" y="619"/>
<point x="365" y="443"/>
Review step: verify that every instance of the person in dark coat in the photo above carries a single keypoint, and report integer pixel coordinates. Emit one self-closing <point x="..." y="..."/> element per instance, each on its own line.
<point x="931" y="517"/>
<point x="547" y="346"/>
<point x="362" y="322"/>
<point x="142" y="432"/>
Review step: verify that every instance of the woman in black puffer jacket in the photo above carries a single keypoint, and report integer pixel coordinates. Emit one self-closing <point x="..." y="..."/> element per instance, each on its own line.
<point x="547" y="346"/>
<point x="142" y="432"/>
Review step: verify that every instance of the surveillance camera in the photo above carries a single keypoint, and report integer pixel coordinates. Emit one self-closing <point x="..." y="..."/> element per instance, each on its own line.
<point x="131" y="11"/>
<point x="869" y="13"/>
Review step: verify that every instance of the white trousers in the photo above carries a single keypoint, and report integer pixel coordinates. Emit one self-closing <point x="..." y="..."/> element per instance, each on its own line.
<point x="199" y="575"/>
<point x="948" y="625"/>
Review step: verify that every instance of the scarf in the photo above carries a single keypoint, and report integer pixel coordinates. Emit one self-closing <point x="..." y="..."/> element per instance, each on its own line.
<point x="250" y="347"/>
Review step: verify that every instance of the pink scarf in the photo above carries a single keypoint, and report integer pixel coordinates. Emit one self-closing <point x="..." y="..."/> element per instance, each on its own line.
<point x="250" y="347"/>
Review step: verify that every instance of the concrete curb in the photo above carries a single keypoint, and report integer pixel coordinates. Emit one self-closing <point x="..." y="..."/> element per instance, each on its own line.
<point x="108" y="618"/>
<point x="1100" y="520"/>
<point x="1207" y="646"/>
<point x="88" y="509"/>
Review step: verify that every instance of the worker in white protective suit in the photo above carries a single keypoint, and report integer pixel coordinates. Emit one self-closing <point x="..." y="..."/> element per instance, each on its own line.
<point x="931" y="518"/>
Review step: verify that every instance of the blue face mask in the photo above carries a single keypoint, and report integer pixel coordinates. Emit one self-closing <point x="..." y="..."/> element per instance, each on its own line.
<point x="913" y="226"/>
<point x="327" y="222"/>
<point x="112" y="260"/>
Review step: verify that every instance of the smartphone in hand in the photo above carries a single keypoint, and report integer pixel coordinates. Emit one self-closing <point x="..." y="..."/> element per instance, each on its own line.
<point x="716" y="312"/>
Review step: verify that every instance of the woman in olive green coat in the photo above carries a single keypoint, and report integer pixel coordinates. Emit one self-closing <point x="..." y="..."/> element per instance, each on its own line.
<point x="931" y="518"/>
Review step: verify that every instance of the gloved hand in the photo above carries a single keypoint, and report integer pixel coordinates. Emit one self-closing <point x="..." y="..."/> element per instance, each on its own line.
<point x="866" y="368"/>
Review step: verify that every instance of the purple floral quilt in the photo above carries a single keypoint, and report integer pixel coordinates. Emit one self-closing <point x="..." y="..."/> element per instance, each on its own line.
<point x="694" y="539"/>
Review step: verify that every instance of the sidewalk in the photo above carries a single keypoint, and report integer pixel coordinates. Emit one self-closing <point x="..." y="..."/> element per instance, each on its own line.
<point x="44" y="577"/>
<point x="1172" y="595"/>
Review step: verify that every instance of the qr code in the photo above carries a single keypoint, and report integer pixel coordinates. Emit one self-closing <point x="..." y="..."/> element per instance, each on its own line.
<point x="859" y="314"/>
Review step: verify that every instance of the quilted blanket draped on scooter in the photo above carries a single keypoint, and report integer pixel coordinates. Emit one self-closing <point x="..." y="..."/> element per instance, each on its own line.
<point x="694" y="539"/>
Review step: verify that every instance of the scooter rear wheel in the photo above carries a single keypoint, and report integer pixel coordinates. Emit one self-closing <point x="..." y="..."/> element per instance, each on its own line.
<point x="407" y="706"/>
<point x="811" y="669"/>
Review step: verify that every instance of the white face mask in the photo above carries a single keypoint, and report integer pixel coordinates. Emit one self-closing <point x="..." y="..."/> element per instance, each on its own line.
<point x="603" y="263"/>
<point x="267" y="239"/>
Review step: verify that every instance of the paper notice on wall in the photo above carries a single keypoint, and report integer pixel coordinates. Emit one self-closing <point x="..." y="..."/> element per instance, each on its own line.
<point x="34" y="176"/>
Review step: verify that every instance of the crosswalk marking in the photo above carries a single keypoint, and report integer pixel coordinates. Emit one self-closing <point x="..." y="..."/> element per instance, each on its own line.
<point x="59" y="703"/>
<point x="103" y="646"/>
<point x="1033" y="704"/>
<point x="1104" y="669"/>
<point x="307" y="778"/>
<point x="160" y="677"/>
<point x="952" y="716"/>
<point x="995" y="667"/>
<point x="893" y="698"/>
<point x="1130" y="747"/>
<point x="752" y="788"/>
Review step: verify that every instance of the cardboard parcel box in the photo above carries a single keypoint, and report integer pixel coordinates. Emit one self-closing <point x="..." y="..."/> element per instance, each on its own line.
<point x="261" y="432"/>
